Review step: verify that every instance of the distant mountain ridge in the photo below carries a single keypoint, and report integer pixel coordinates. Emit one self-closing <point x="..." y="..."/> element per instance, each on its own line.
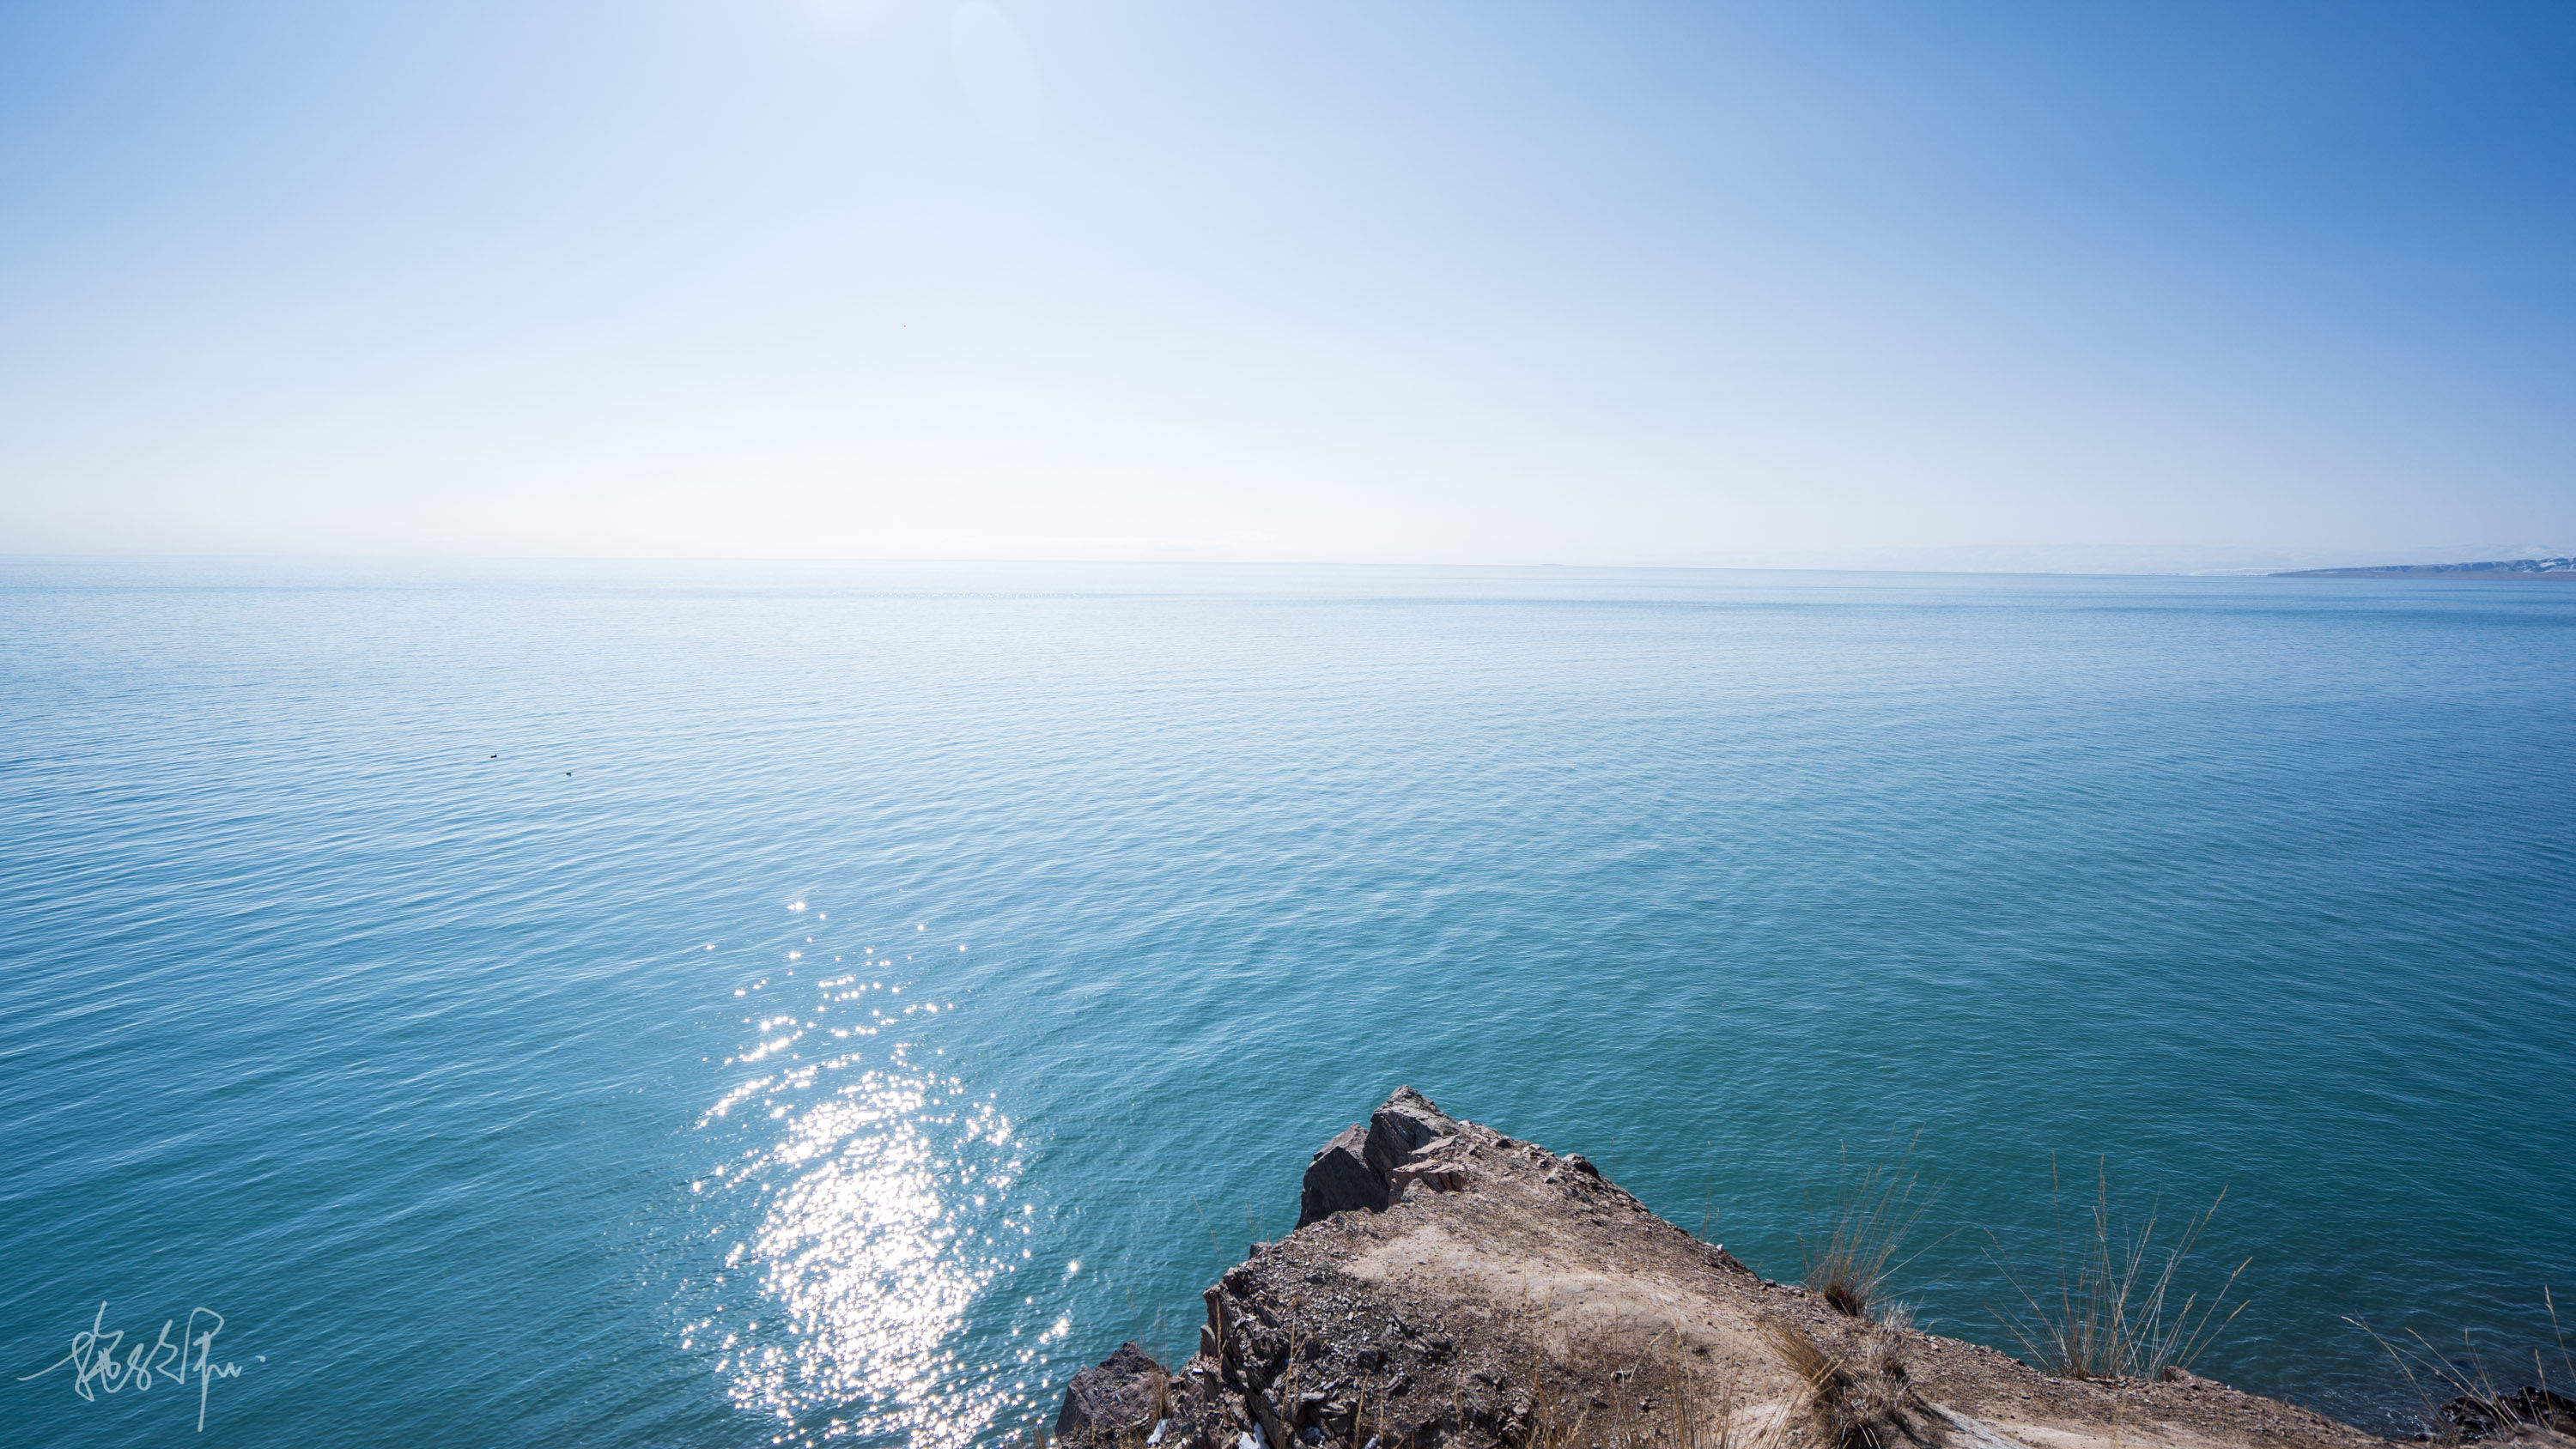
<point x="2508" y="568"/>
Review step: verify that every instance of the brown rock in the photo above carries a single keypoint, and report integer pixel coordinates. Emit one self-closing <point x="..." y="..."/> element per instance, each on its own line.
<point x="1112" y="1395"/>
<point x="1339" y="1179"/>
<point x="1406" y="1124"/>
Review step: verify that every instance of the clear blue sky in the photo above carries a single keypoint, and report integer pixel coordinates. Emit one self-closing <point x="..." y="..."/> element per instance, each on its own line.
<point x="1425" y="282"/>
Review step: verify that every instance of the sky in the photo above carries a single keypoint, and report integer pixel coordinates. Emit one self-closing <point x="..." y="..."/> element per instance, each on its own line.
<point x="1819" y="283"/>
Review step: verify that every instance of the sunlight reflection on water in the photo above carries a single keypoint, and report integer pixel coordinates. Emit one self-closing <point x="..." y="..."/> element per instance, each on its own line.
<point x="872" y="1209"/>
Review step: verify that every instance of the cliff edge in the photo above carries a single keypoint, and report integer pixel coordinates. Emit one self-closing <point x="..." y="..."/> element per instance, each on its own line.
<point x="1448" y="1285"/>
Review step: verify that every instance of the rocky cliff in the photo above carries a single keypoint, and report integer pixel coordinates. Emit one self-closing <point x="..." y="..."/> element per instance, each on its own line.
<point x="1448" y="1285"/>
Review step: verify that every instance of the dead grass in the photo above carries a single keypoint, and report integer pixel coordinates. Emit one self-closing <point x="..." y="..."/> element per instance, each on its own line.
<point x="1860" y="1398"/>
<point x="2110" y="1313"/>
<point x="1850" y="1261"/>
<point x="2476" y="1409"/>
<point x="1639" y="1393"/>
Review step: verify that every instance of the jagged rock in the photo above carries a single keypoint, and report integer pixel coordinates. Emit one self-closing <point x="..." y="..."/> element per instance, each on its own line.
<point x="1339" y="1179"/>
<point x="1435" y="1166"/>
<point x="1368" y="1168"/>
<point x="1406" y="1124"/>
<point x="1112" y="1395"/>
<point x="1433" y="1176"/>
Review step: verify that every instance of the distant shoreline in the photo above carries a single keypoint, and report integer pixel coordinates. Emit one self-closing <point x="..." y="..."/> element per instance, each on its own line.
<point x="2518" y="568"/>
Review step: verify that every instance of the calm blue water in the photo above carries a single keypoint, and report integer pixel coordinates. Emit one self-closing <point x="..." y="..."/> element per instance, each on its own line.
<point x="725" y="1007"/>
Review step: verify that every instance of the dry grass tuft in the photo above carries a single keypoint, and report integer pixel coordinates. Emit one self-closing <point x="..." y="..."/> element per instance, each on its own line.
<point x="1850" y="1261"/>
<point x="2110" y="1315"/>
<point x="1862" y="1399"/>
<point x="2476" y="1408"/>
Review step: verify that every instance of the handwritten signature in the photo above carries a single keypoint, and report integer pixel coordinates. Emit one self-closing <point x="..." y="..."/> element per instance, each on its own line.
<point x="101" y="1361"/>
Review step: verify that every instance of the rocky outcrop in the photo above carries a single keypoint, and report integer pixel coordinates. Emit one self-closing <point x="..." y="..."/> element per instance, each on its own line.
<point x="1450" y="1286"/>
<point x="1340" y="1179"/>
<point x="1371" y="1168"/>
<point x="1121" y="1394"/>
<point x="1406" y="1125"/>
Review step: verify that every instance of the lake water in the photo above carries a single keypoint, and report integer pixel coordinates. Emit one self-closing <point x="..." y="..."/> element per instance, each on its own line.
<point x="614" y="1005"/>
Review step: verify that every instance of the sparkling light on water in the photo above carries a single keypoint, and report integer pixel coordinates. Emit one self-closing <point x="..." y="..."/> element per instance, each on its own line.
<point x="872" y="1201"/>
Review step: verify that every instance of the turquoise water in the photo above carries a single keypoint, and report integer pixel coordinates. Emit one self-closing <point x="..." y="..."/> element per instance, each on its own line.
<point x="751" y="1005"/>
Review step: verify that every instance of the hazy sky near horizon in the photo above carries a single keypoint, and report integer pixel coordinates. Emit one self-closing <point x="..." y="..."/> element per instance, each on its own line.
<point x="1428" y="282"/>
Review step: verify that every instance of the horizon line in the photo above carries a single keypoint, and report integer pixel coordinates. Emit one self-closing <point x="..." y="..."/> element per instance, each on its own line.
<point x="916" y="561"/>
